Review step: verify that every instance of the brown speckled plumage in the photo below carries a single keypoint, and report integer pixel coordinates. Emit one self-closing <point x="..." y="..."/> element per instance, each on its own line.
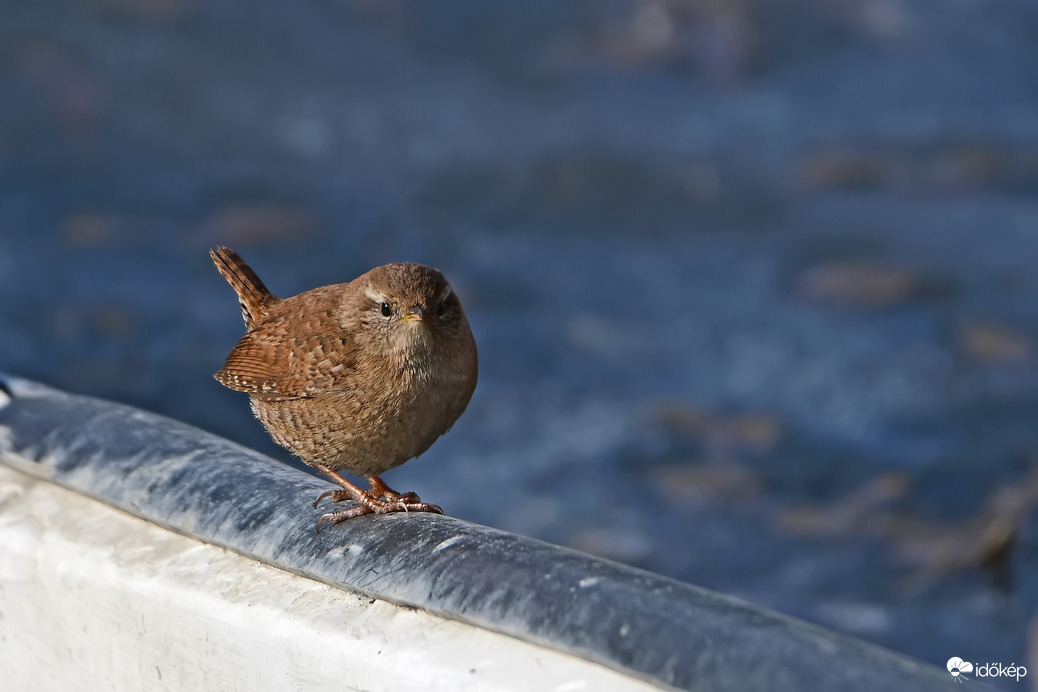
<point x="360" y="376"/>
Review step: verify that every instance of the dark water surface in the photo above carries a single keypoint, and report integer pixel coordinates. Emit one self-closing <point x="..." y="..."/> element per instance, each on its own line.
<point x="754" y="284"/>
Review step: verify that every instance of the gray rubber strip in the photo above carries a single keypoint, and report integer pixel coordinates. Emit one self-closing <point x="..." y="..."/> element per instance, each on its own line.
<point x="652" y="627"/>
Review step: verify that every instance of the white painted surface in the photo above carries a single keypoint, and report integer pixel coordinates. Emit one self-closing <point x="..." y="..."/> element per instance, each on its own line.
<point x="94" y="599"/>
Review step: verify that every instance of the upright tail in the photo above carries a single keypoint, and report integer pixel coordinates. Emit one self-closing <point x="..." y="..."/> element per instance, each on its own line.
<point x="252" y="294"/>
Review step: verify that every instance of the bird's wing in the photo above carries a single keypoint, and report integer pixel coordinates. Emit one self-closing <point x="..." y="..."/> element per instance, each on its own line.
<point x="269" y="364"/>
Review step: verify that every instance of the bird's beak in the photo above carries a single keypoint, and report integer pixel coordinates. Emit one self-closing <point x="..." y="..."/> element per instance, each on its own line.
<point x="416" y="314"/>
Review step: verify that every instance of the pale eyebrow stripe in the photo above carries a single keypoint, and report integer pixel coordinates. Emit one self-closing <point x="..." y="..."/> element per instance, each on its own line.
<point x="374" y="295"/>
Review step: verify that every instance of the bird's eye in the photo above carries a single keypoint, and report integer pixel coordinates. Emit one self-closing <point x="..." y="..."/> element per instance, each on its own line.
<point x="441" y="308"/>
<point x="387" y="310"/>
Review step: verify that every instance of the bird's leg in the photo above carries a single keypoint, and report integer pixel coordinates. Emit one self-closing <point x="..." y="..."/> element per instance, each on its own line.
<point x="349" y="491"/>
<point x="379" y="490"/>
<point x="380" y="499"/>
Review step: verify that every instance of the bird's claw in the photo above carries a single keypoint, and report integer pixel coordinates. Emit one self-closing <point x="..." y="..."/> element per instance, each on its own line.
<point x="369" y="506"/>
<point x="379" y="499"/>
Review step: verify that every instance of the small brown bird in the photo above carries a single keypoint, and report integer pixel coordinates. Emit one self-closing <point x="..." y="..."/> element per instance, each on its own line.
<point x="360" y="376"/>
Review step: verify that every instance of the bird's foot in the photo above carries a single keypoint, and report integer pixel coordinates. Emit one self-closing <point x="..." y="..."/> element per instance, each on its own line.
<point x="379" y="499"/>
<point x="379" y="491"/>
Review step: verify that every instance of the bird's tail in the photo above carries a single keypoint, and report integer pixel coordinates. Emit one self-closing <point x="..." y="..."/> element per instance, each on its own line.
<point x="252" y="294"/>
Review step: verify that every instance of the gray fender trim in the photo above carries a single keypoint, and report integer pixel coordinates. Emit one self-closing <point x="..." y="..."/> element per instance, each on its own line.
<point x="651" y="627"/>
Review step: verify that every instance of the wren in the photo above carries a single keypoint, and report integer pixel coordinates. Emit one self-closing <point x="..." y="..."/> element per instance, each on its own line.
<point x="358" y="377"/>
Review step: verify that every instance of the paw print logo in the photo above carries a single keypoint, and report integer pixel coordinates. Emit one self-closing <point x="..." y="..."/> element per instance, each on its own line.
<point x="956" y="667"/>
